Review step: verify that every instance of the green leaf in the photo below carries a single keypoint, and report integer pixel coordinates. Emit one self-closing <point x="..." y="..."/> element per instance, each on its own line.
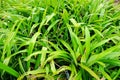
<point x="38" y="71"/>
<point x="65" y="15"/>
<point x="58" y="54"/>
<point x="92" y="73"/>
<point x="32" y="43"/>
<point x="52" y="65"/>
<point x="100" y="43"/>
<point x="35" y="53"/>
<point x="43" y="57"/>
<point x="49" y="17"/>
<point x="63" y="68"/>
<point x="33" y="27"/>
<point x="104" y="73"/>
<point x="55" y="46"/>
<point x="70" y="50"/>
<point x="113" y="62"/>
<point x="49" y="28"/>
<point x="77" y="46"/>
<point x="31" y="46"/>
<point x="21" y="66"/>
<point x="74" y="22"/>
<point x="118" y="73"/>
<point x="78" y="76"/>
<point x="99" y="56"/>
<point x="87" y="46"/>
<point x="112" y="55"/>
<point x="9" y="70"/>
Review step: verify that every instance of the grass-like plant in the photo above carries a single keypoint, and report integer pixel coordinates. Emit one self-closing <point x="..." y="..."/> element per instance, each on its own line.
<point x="59" y="40"/>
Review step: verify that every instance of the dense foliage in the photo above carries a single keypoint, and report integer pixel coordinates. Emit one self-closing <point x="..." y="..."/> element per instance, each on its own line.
<point x="59" y="40"/>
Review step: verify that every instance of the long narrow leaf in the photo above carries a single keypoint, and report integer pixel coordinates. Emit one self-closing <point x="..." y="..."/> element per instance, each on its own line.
<point x="31" y="46"/>
<point x="92" y="73"/>
<point x="104" y="73"/>
<point x="87" y="46"/>
<point x="9" y="70"/>
<point x="99" y="56"/>
<point x="70" y="50"/>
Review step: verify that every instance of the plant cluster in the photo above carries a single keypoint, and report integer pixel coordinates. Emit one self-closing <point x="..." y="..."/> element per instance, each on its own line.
<point x="59" y="40"/>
